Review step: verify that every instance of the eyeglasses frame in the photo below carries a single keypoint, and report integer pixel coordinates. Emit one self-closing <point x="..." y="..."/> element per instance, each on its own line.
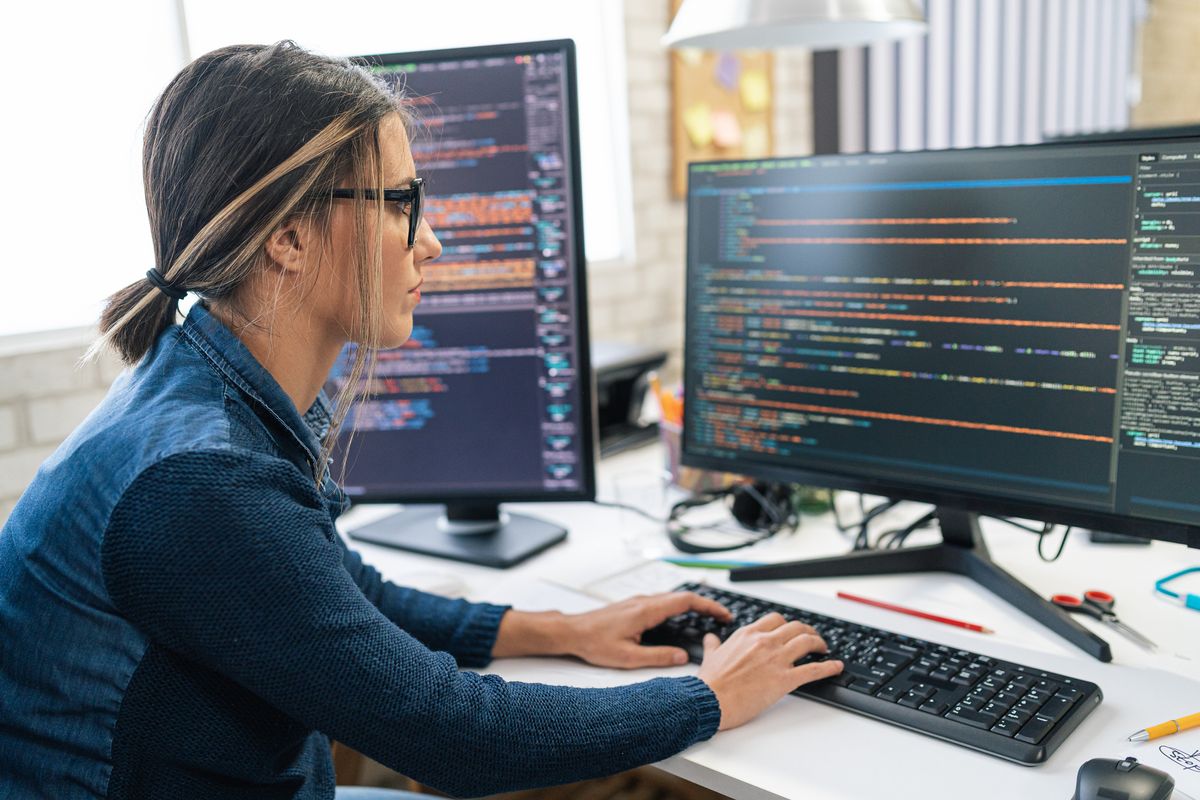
<point x="414" y="195"/>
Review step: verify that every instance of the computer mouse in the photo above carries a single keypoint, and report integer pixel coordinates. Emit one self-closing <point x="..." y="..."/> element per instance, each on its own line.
<point x="1124" y="779"/>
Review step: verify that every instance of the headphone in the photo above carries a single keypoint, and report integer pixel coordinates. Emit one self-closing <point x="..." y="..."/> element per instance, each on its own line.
<point x="762" y="508"/>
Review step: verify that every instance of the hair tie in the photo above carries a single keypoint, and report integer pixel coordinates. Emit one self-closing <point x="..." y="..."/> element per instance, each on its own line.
<point x="155" y="277"/>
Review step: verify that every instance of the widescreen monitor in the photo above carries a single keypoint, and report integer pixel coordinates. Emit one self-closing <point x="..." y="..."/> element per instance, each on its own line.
<point x="1010" y="331"/>
<point x="490" y="401"/>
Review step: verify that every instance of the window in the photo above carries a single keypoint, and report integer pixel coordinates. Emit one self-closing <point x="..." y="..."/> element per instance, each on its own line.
<point x="88" y="94"/>
<point x="78" y="85"/>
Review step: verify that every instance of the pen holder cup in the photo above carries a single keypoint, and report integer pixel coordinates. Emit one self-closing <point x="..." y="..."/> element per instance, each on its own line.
<point x="690" y="479"/>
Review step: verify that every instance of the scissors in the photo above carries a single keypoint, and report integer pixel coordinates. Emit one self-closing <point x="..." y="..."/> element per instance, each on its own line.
<point x="1099" y="605"/>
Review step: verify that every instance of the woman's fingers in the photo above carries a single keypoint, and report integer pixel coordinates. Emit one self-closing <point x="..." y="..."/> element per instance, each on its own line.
<point x="816" y="671"/>
<point x="791" y="630"/>
<point x="636" y="656"/>
<point x="657" y="608"/>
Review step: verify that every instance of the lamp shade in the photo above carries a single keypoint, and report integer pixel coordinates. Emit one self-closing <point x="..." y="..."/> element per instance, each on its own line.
<point x="815" y="24"/>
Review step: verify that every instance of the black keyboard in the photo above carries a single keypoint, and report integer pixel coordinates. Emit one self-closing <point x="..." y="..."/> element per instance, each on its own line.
<point x="1004" y="709"/>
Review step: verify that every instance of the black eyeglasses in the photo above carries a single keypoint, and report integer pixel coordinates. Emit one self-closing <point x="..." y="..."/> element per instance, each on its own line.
<point x="411" y="200"/>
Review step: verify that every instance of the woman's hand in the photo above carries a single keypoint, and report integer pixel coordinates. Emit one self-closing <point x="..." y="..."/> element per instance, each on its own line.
<point x="611" y="636"/>
<point x="606" y="637"/>
<point x="754" y="667"/>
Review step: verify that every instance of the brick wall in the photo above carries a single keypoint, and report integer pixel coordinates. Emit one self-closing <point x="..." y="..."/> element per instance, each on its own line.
<point x="44" y="393"/>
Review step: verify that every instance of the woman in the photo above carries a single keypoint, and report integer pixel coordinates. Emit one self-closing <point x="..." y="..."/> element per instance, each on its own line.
<point x="179" y="616"/>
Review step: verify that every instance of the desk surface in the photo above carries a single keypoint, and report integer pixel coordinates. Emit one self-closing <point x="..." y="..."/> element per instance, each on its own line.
<point x="800" y="748"/>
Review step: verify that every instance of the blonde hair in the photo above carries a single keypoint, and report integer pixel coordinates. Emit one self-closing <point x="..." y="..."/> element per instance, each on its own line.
<point x="242" y="140"/>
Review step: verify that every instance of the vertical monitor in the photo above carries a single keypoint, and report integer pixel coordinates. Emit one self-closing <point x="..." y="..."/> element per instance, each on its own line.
<point x="490" y="400"/>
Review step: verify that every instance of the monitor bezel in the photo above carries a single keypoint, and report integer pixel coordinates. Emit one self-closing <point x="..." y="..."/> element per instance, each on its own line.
<point x="977" y="502"/>
<point x="587" y="491"/>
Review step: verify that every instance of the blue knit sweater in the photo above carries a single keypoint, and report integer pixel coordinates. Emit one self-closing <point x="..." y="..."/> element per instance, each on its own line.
<point x="180" y="619"/>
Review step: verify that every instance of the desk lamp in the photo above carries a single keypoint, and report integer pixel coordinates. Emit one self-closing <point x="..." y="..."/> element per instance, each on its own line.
<point x="815" y="24"/>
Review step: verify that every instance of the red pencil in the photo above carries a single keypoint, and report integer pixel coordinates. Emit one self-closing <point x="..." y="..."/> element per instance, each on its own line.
<point x="913" y="612"/>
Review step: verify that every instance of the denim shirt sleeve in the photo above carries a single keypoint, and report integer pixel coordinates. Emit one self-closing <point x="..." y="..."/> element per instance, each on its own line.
<point x="229" y="560"/>
<point x="452" y="626"/>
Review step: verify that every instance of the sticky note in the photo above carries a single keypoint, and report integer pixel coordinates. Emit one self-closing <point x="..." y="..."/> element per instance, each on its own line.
<point x="756" y="91"/>
<point x="728" y="68"/>
<point x="697" y="121"/>
<point x="727" y="131"/>
<point x="756" y="141"/>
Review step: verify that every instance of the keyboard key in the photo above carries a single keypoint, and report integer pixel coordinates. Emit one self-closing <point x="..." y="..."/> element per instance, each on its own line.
<point x="1025" y="704"/>
<point x="963" y="679"/>
<point x="912" y="700"/>
<point x="841" y="679"/>
<point x="1037" y="696"/>
<point x="1049" y="687"/>
<point x="863" y="685"/>
<point x="935" y="707"/>
<point x="882" y="675"/>
<point x="1024" y="681"/>
<point x="1035" y="730"/>
<point x="942" y="677"/>
<point x="974" y="703"/>
<point x="1008" y="698"/>
<point x="1019" y="717"/>
<point x="1056" y="707"/>
<point x="893" y="692"/>
<point x="923" y="667"/>
<point x="976" y="719"/>
<point x="995" y="709"/>
<point x="859" y="670"/>
<point x="982" y="692"/>
<point x="1006" y="727"/>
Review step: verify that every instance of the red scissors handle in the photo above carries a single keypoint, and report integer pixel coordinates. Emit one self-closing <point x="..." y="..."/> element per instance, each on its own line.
<point x="1069" y="602"/>
<point x="1102" y="600"/>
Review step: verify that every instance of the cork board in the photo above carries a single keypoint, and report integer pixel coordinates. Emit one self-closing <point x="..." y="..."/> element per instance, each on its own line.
<point x="721" y="106"/>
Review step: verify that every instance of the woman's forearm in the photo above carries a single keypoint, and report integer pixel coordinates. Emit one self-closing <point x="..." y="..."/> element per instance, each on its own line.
<point x="533" y="633"/>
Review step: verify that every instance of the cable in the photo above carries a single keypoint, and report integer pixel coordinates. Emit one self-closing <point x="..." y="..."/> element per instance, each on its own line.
<point x="1046" y="526"/>
<point x="627" y="507"/>
<point x="894" y="539"/>
<point x="1061" y="545"/>
<point x="861" y="540"/>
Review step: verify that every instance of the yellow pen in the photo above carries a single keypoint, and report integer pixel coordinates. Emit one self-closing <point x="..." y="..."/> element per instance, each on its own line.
<point x="1166" y="728"/>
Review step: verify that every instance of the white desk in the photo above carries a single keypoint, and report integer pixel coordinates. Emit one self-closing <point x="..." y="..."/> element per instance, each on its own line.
<point x="800" y="748"/>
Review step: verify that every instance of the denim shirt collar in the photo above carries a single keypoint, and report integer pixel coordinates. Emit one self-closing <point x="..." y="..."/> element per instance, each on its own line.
<point x="239" y="366"/>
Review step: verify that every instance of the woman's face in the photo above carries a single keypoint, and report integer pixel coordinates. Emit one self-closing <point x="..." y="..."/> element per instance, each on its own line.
<point x="401" y="265"/>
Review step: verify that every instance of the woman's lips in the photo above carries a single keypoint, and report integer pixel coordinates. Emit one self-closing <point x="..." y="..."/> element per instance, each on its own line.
<point x="417" y="289"/>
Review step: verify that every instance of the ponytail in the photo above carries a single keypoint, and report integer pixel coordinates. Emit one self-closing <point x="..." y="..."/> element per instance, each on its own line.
<point x="133" y="319"/>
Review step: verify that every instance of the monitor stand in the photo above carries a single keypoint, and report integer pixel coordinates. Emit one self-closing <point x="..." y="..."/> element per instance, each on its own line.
<point x="475" y="533"/>
<point x="962" y="551"/>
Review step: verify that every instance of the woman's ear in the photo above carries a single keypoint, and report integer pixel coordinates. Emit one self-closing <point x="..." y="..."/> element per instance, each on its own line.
<point x="289" y="247"/>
